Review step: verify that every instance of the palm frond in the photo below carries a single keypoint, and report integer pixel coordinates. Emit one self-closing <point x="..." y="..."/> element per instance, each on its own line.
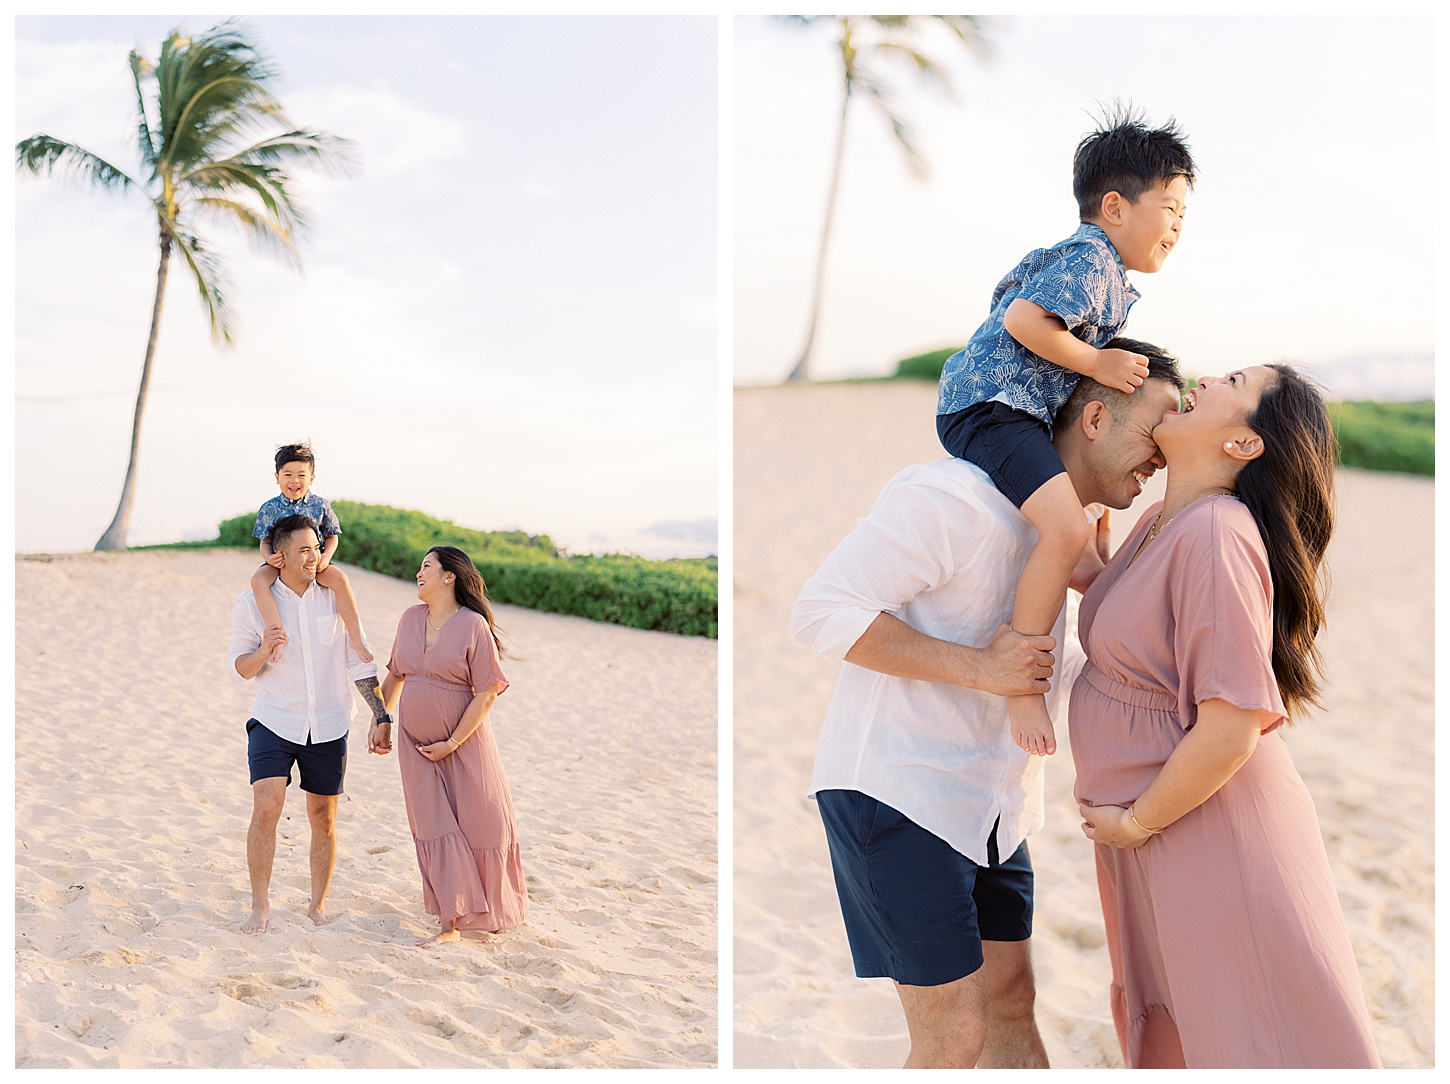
<point x="263" y="231"/>
<point x="973" y="31"/>
<point x="922" y="64"/>
<point x="333" y="154"/>
<point x="885" y="101"/>
<point x="268" y="183"/>
<point x="212" y="282"/>
<point x="45" y="154"/>
<point x="141" y="67"/>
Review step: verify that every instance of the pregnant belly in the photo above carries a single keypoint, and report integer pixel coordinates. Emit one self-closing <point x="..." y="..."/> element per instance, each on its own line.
<point x="1117" y="748"/>
<point x="428" y="713"/>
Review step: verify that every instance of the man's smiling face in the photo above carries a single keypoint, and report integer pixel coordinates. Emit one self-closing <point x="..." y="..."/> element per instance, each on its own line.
<point x="1124" y="456"/>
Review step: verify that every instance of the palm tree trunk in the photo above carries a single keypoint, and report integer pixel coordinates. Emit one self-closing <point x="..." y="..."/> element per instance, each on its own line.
<point x="802" y="367"/>
<point x="115" y="536"/>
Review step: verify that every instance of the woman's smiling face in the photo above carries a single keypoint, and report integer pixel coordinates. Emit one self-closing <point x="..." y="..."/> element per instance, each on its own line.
<point x="432" y="577"/>
<point x="1215" y="410"/>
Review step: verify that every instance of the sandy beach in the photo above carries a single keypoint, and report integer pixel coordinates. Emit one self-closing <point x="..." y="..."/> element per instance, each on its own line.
<point x="132" y="803"/>
<point x="808" y="463"/>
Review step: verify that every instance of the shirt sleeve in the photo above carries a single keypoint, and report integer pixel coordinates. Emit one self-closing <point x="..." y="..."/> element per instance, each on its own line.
<point x="1222" y="597"/>
<point x="246" y="635"/>
<point x="484" y="671"/>
<point x="328" y="521"/>
<point x="1074" y="286"/>
<point x="901" y="550"/>
<point x="259" y="529"/>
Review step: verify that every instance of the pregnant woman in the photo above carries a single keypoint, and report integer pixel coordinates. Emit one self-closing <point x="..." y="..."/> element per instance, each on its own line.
<point x="445" y="670"/>
<point x="1227" y="942"/>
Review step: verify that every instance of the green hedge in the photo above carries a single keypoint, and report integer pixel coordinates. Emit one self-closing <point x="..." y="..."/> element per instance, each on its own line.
<point x="1386" y="436"/>
<point x="924" y="366"/>
<point x="680" y="596"/>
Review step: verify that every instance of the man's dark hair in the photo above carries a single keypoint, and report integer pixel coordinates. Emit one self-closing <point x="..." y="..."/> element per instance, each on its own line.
<point x="1161" y="366"/>
<point x="287" y="526"/>
<point x="1125" y="156"/>
<point x="296" y="453"/>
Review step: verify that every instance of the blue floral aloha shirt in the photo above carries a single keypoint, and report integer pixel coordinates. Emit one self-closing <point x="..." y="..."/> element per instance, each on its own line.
<point x="1081" y="280"/>
<point x="309" y="504"/>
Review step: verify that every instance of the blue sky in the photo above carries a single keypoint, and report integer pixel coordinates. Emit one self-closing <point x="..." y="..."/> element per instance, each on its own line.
<point x="1309" y="235"/>
<point x="506" y="318"/>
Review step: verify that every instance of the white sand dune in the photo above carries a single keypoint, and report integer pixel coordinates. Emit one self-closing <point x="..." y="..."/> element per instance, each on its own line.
<point x="808" y="463"/>
<point x="132" y="802"/>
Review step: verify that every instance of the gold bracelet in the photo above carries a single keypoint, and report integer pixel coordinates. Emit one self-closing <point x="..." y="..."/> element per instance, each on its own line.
<point x="1135" y="820"/>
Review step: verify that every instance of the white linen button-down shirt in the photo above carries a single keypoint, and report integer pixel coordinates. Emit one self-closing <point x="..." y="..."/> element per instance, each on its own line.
<point x="309" y="694"/>
<point x="942" y="551"/>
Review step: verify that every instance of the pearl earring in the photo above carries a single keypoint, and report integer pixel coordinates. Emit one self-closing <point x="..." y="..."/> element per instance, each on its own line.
<point x="1228" y="445"/>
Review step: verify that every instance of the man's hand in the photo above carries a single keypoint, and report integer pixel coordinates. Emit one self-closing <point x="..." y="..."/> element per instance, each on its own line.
<point x="1094" y="555"/>
<point x="1016" y="665"/>
<point x="1121" y="369"/>
<point x="380" y="738"/>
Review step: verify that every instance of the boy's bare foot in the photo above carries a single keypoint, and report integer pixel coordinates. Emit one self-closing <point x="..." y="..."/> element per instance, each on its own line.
<point x="276" y="655"/>
<point x="319" y="917"/>
<point x="257" y="920"/>
<point x="1031" y="725"/>
<point x="360" y="649"/>
<point x="440" y="937"/>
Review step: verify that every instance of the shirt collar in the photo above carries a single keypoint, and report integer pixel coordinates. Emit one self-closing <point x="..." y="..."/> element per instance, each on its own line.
<point x="293" y="593"/>
<point x="1088" y="231"/>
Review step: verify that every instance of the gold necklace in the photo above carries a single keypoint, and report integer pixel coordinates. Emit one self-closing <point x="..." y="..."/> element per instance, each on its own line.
<point x="439" y="628"/>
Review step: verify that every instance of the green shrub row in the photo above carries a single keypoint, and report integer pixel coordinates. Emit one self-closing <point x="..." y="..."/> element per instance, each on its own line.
<point x="680" y="596"/>
<point x="1386" y="436"/>
<point x="1376" y="436"/>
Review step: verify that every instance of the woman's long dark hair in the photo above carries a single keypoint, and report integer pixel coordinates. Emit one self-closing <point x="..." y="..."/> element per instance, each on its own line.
<point x="1290" y="491"/>
<point x="468" y="589"/>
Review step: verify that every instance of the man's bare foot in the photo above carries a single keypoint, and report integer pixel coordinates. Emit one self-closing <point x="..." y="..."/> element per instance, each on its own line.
<point x="1031" y="725"/>
<point x="319" y="917"/>
<point x="440" y="937"/>
<point x="257" y="920"/>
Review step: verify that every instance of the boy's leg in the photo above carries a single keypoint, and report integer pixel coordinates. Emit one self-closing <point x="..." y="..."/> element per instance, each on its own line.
<point x="262" y="581"/>
<point x="336" y="581"/>
<point x="1062" y="532"/>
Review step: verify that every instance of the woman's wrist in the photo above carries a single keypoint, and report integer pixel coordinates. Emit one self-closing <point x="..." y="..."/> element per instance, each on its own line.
<point x="1132" y="815"/>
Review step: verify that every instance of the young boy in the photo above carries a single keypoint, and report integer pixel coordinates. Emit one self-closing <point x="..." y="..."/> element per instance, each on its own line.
<point x="1050" y="315"/>
<point x="295" y="471"/>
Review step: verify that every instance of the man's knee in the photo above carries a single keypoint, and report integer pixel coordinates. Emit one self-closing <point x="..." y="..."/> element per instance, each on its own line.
<point x="322" y="812"/>
<point x="1013" y="990"/>
<point x="268" y="798"/>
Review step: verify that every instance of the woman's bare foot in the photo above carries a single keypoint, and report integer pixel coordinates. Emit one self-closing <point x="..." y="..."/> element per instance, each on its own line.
<point x="444" y="935"/>
<point x="257" y="920"/>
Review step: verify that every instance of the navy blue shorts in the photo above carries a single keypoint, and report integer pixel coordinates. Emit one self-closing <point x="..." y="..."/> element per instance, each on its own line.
<point x="916" y="910"/>
<point x="320" y="766"/>
<point x="1015" y="449"/>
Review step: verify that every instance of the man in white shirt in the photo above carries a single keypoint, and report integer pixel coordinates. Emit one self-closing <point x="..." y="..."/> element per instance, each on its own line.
<point x="302" y="712"/>
<point x="925" y="798"/>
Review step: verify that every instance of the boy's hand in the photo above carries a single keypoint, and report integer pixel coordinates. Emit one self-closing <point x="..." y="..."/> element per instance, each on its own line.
<point x="322" y="562"/>
<point x="1120" y="369"/>
<point x="276" y="560"/>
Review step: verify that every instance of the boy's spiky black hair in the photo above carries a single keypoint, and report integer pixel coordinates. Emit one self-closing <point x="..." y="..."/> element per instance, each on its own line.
<point x="1125" y="156"/>
<point x="295" y="453"/>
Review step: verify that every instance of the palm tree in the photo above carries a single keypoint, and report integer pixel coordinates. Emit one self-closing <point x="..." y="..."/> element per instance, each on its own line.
<point x="868" y="43"/>
<point x="197" y="106"/>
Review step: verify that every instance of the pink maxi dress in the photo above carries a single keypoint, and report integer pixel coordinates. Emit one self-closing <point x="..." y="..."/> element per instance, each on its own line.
<point x="1228" y="946"/>
<point x="459" y="808"/>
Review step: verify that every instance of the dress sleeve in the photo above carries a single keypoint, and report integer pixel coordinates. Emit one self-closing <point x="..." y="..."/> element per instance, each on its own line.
<point x="394" y="667"/>
<point x="484" y="671"/>
<point x="1074" y="286"/>
<point x="1222" y="596"/>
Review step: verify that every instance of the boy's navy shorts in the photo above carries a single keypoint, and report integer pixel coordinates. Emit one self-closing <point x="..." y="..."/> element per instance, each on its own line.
<point x="321" y="766"/>
<point x="916" y="910"/>
<point x="1014" y="448"/>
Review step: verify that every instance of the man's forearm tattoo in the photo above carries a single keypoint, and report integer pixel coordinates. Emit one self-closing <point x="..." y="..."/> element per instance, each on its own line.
<point x="369" y="689"/>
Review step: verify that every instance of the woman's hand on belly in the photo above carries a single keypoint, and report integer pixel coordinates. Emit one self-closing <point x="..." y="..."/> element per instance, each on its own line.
<point x="1111" y="825"/>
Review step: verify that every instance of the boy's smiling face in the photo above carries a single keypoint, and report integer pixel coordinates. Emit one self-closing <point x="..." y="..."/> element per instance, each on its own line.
<point x="1146" y="231"/>
<point x="295" y="479"/>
